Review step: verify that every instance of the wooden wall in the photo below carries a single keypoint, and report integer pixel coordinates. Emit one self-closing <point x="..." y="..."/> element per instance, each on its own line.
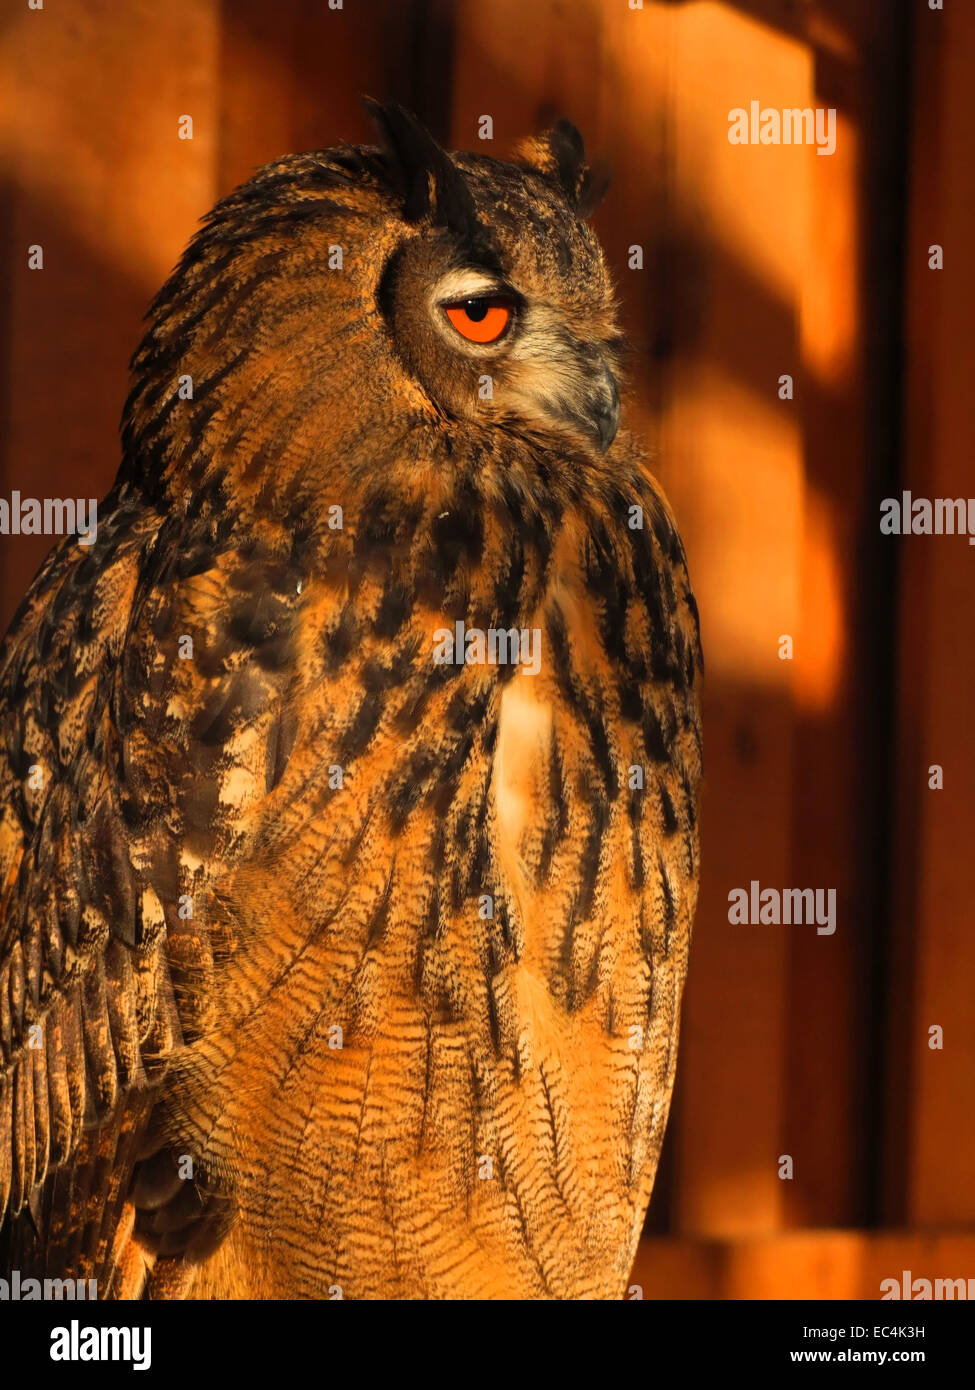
<point x="930" y="1135"/>
<point x="758" y="262"/>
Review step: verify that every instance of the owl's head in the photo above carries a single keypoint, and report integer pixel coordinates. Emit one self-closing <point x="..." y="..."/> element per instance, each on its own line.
<point x="350" y="308"/>
<point x="500" y="302"/>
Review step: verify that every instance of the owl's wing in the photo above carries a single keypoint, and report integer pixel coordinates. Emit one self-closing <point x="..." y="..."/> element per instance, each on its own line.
<point x="128" y="670"/>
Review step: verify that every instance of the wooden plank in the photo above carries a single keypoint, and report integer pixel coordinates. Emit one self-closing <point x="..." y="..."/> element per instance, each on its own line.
<point x="293" y="75"/>
<point x="847" y="400"/>
<point x="930" y="1136"/>
<point x="730" y="457"/>
<point x="522" y="73"/>
<point x="97" y="175"/>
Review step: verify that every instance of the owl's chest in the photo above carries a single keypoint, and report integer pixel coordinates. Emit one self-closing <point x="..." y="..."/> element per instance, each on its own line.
<point x="465" y="1014"/>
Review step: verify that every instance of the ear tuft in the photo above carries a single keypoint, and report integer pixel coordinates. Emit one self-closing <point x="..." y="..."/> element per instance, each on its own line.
<point x="422" y="173"/>
<point x="560" y="155"/>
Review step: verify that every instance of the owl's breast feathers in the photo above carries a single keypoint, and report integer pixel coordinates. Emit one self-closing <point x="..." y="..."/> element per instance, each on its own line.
<point x="369" y="958"/>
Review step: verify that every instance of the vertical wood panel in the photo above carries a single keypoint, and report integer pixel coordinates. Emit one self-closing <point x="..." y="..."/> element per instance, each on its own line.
<point x="930" y="1140"/>
<point x="846" y="392"/>
<point x="522" y="67"/>
<point x="96" y="174"/>
<point x="293" y="74"/>
<point x="731" y="458"/>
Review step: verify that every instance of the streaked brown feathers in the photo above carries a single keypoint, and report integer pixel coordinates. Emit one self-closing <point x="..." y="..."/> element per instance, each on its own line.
<point x="345" y="968"/>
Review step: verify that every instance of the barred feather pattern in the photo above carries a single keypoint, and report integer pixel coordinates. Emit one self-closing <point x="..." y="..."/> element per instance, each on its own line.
<point x="326" y="968"/>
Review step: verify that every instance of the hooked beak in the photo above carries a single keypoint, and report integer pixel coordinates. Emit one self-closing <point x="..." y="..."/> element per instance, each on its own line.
<point x="597" y="410"/>
<point x="605" y="412"/>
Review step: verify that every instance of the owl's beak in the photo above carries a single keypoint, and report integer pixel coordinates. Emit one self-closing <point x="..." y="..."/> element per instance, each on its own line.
<point x="599" y="409"/>
<point x="605" y="411"/>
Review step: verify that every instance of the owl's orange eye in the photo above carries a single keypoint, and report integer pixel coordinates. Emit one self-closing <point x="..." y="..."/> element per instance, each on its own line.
<point x="480" y="320"/>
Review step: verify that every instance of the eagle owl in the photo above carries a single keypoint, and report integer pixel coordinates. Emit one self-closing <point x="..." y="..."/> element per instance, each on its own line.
<point x="348" y="830"/>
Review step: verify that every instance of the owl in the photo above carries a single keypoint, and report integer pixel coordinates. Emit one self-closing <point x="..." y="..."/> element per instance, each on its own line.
<point x="349" y="779"/>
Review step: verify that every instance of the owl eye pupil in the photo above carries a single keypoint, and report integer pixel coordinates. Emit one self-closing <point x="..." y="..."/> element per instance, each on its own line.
<point x="476" y="309"/>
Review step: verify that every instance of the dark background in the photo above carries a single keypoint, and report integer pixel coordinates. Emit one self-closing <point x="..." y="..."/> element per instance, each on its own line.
<point x="758" y="261"/>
